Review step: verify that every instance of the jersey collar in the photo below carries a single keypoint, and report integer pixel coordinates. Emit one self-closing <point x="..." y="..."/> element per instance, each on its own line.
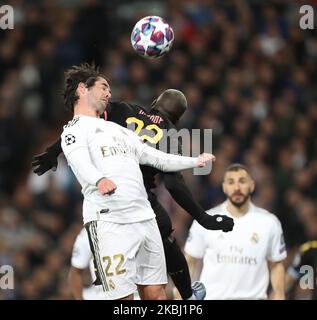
<point x="226" y="211"/>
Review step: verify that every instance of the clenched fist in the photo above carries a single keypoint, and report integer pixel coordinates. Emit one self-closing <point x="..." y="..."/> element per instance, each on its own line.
<point x="106" y="186"/>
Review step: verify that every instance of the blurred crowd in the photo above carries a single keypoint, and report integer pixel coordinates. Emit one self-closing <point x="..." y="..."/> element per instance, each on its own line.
<point x="248" y="72"/>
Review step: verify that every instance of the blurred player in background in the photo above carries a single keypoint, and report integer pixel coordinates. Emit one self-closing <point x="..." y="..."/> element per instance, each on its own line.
<point x="105" y="159"/>
<point x="239" y="264"/>
<point x="82" y="259"/>
<point x="304" y="264"/>
<point x="164" y="114"/>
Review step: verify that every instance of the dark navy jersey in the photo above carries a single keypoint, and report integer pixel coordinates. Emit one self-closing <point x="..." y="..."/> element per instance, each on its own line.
<point x="151" y="126"/>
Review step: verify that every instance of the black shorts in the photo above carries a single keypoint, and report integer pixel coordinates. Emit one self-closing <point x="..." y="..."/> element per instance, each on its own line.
<point x="163" y="220"/>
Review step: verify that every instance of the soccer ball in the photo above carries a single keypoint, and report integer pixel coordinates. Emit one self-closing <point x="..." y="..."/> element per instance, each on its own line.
<point x="152" y="37"/>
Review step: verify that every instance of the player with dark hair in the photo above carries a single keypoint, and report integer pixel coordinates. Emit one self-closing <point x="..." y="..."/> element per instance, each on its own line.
<point x="165" y="112"/>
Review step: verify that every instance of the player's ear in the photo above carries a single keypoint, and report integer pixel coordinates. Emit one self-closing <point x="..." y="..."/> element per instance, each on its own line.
<point x="224" y="187"/>
<point x="252" y="186"/>
<point x="81" y="89"/>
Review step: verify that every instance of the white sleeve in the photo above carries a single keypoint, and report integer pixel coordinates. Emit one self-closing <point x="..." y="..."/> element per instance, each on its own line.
<point x="81" y="254"/>
<point x="75" y="148"/>
<point x="277" y="248"/>
<point x="80" y="161"/>
<point x="195" y="244"/>
<point x="74" y="136"/>
<point x="166" y="162"/>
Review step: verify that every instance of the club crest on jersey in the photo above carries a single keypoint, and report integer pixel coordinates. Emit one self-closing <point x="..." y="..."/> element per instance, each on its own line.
<point x="255" y="238"/>
<point x="69" y="139"/>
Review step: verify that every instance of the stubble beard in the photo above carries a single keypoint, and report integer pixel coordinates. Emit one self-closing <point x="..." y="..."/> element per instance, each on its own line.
<point x="239" y="204"/>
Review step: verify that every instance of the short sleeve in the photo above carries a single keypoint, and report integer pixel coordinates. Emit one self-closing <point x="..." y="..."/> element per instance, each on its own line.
<point x="74" y="136"/>
<point x="195" y="244"/>
<point x="277" y="247"/>
<point x="81" y="254"/>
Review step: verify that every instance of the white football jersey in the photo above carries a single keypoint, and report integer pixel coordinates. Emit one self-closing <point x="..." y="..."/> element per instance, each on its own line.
<point x="235" y="263"/>
<point x="114" y="152"/>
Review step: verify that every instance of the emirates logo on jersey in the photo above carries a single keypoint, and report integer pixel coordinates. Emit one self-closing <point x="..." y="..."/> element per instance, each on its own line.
<point x="255" y="238"/>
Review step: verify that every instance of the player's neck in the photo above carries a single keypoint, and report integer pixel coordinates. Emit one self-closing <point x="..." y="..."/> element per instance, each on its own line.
<point x="84" y="110"/>
<point x="238" y="212"/>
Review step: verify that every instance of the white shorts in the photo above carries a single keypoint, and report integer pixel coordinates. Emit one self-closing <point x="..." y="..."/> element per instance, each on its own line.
<point x="127" y="255"/>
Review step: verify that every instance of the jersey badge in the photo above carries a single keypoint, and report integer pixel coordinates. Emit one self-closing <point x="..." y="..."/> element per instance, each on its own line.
<point x="69" y="139"/>
<point x="254" y="238"/>
<point x="282" y="244"/>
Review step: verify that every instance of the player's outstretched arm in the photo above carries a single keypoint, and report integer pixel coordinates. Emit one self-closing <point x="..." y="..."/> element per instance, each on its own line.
<point x="176" y="186"/>
<point x="47" y="160"/>
<point x="169" y="162"/>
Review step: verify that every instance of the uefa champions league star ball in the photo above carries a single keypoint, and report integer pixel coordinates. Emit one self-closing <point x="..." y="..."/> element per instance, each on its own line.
<point x="152" y="37"/>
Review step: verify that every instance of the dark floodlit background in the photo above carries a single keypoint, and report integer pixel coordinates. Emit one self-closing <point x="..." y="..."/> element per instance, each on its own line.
<point x="248" y="72"/>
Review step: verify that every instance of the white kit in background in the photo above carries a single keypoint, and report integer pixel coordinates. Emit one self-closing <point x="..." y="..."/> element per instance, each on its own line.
<point x="235" y="263"/>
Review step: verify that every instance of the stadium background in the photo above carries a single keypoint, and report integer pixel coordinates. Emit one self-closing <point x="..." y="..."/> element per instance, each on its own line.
<point x="246" y="68"/>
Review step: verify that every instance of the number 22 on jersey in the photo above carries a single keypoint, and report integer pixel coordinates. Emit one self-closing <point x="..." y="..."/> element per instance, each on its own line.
<point x="151" y="127"/>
